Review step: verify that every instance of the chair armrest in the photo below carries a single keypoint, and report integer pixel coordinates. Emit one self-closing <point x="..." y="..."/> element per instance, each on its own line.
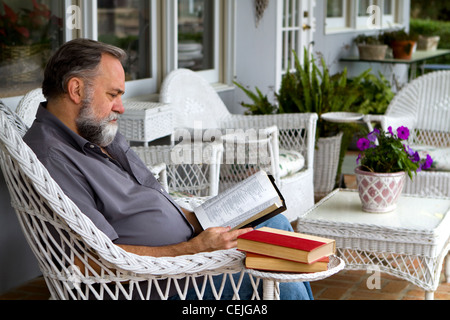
<point x="160" y="172"/>
<point x="389" y="121"/>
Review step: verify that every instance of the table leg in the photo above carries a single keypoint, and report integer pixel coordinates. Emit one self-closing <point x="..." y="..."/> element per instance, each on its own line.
<point x="270" y="290"/>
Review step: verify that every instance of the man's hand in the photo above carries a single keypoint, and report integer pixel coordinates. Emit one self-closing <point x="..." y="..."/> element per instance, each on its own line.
<point x="217" y="238"/>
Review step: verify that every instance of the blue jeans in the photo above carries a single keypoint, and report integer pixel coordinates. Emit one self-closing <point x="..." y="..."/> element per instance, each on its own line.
<point x="288" y="290"/>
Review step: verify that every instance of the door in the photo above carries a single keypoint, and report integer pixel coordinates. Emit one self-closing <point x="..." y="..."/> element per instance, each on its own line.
<point x="296" y="25"/>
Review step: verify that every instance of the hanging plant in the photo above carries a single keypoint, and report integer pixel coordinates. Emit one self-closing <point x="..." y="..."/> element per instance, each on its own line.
<point x="261" y="6"/>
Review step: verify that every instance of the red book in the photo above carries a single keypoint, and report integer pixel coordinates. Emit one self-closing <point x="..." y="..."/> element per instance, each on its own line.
<point x="286" y="245"/>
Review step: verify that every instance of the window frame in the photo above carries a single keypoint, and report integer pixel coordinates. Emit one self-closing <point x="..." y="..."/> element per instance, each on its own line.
<point x="164" y="40"/>
<point x="355" y="23"/>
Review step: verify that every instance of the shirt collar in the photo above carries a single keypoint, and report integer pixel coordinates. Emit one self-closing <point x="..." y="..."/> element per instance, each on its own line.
<point x="46" y="116"/>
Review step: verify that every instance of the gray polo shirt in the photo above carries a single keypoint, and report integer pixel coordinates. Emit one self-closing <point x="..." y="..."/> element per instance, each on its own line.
<point x="118" y="194"/>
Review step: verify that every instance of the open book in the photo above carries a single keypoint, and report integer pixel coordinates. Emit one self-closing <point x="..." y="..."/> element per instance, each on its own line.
<point x="247" y="203"/>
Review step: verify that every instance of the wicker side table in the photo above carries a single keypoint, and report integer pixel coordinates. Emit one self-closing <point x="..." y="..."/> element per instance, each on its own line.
<point x="272" y="280"/>
<point x="410" y="243"/>
<point x="146" y="121"/>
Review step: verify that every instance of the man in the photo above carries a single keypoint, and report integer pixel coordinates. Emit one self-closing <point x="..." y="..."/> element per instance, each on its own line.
<point x="75" y="137"/>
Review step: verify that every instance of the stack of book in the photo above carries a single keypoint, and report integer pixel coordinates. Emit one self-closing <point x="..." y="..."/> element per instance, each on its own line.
<point x="283" y="251"/>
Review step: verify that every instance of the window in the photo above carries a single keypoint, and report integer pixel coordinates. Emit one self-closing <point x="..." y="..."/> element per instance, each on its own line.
<point x="296" y="30"/>
<point x="126" y="24"/>
<point x="363" y="13"/>
<point x="29" y="32"/>
<point x="159" y="36"/>
<point x="336" y="14"/>
<point x="357" y="14"/>
<point x="196" y="36"/>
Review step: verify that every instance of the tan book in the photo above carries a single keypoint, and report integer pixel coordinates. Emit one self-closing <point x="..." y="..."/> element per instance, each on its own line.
<point x="260" y="262"/>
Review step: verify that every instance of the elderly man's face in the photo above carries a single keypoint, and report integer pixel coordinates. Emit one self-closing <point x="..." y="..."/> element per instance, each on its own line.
<point x="102" y="104"/>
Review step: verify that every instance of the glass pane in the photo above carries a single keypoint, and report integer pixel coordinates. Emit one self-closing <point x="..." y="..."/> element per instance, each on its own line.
<point x="363" y="6"/>
<point x="388" y="7"/>
<point x="196" y="39"/>
<point x="29" y="31"/>
<point x="335" y="8"/>
<point x="126" y="24"/>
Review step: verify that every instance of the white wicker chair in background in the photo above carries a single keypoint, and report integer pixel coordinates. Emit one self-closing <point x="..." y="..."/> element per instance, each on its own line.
<point x="57" y="232"/>
<point x="200" y="110"/>
<point x="186" y="176"/>
<point x="423" y="106"/>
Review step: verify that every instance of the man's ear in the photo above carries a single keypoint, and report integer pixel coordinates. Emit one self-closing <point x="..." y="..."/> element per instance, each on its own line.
<point x="75" y="88"/>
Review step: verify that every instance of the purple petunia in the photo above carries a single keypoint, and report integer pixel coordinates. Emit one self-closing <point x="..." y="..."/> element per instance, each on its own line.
<point x="390" y="131"/>
<point x="372" y="137"/>
<point x="427" y="164"/>
<point x="363" y="144"/>
<point x="403" y="133"/>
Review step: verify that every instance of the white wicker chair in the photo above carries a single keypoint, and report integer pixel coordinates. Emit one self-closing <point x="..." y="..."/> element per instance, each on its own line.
<point x="424" y="107"/>
<point x="57" y="232"/>
<point x="200" y="110"/>
<point x="28" y="105"/>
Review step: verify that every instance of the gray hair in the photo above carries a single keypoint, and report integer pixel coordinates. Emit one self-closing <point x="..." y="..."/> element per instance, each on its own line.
<point x="77" y="58"/>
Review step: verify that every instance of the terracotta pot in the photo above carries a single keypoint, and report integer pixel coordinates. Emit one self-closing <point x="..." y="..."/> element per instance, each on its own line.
<point x="379" y="192"/>
<point x="403" y="49"/>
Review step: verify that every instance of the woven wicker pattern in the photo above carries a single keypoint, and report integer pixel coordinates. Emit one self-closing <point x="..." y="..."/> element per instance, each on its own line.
<point x="197" y="106"/>
<point x="423" y="106"/>
<point x="28" y="106"/>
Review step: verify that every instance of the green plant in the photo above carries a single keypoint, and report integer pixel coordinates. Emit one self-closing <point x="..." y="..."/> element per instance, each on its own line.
<point x="261" y="103"/>
<point x="310" y="88"/>
<point x="396" y="35"/>
<point x="369" y="40"/>
<point x="375" y="94"/>
<point x="387" y="153"/>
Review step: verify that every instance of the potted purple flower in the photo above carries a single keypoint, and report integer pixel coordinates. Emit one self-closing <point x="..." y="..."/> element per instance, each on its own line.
<point x="384" y="162"/>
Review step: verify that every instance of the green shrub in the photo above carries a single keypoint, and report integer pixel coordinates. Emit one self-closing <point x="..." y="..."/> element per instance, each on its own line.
<point x="433" y="28"/>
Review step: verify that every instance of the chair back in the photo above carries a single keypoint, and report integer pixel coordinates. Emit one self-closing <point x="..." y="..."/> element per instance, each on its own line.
<point x="427" y="101"/>
<point x="28" y="106"/>
<point x="195" y="102"/>
<point x="57" y="232"/>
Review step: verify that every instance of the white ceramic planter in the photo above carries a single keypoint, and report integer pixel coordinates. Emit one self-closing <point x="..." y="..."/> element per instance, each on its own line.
<point x="379" y="192"/>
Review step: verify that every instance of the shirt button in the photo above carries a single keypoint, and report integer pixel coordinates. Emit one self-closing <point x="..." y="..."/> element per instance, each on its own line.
<point x="92" y="146"/>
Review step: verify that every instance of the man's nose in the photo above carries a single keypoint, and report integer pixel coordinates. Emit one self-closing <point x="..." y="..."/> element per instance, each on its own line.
<point x="118" y="106"/>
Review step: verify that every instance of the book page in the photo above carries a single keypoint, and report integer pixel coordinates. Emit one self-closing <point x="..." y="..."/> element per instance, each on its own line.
<point x="238" y="203"/>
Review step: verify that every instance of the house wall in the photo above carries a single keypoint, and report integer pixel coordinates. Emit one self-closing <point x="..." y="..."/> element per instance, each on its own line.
<point x="335" y="46"/>
<point x="256" y="53"/>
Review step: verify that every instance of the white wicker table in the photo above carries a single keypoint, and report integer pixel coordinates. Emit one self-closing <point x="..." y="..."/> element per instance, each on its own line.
<point x="272" y="280"/>
<point x="410" y="242"/>
<point x="146" y="121"/>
